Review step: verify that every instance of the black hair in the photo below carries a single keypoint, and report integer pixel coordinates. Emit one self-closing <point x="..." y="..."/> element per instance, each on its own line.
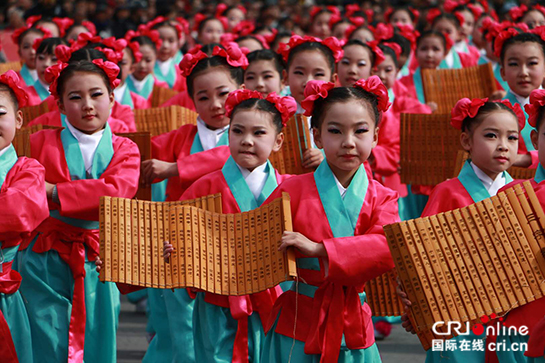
<point x="263" y="106"/>
<point x="206" y="20"/>
<point x="75" y="25"/>
<point x="405" y="8"/>
<point x="403" y="42"/>
<point x="522" y="38"/>
<point x="342" y="95"/>
<point x="268" y="55"/>
<point x="540" y="116"/>
<point x="432" y="33"/>
<point x="389" y="51"/>
<point x="166" y="23"/>
<point x="311" y="46"/>
<point x="360" y="43"/>
<point x="279" y="36"/>
<point x="470" y="123"/>
<point x="28" y="31"/>
<point x="450" y="17"/>
<point x="5" y="88"/>
<point x="87" y="53"/>
<point x="48" y="45"/>
<point x="80" y="66"/>
<point x="236" y="73"/>
<point x="145" y="40"/>
<point x="246" y="37"/>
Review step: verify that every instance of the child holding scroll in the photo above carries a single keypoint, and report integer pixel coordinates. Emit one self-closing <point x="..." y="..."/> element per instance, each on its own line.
<point x="72" y="315"/>
<point x="337" y="215"/>
<point x="24" y="207"/>
<point x="230" y="328"/>
<point x="490" y="133"/>
<point x="24" y="38"/>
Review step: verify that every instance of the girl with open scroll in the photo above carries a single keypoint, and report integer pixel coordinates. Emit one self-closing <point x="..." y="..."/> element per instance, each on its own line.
<point x="230" y="328"/>
<point x="337" y="215"/>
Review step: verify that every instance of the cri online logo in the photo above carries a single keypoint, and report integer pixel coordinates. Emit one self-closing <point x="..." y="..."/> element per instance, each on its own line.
<point x="460" y="329"/>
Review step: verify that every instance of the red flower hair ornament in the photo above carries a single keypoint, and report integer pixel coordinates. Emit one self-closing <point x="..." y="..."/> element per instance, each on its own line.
<point x="517" y="12"/>
<point x="332" y="43"/>
<point x="379" y="54"/>
<point x="190" y="60"/>
<point x="395" y="47"/>
<point x="11" y="80"/>
<point x="287" y="106"/>
<point x="161" y="19"/>
<point x="432" y="15"/>
<point x="17" y="33"/>
<point x="313" y="91"/>
<point x="375" y="86"/>
<point x="135" y="49"/>
<point x="470" y="108"/>
<point x="537" y="101"/>
<point x="502" y="37"/>
<point x="384" y="31"/>
<point x="232" y="54"/>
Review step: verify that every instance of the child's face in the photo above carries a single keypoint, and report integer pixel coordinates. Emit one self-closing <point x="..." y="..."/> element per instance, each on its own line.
<point x="170" y="44"/>
<point x="126" y="65"/>
<point x="10" y="120"/>
<point x="320" y="25"/>
<point x="253" y="137"/>
<point x="234" y="16"/>
<point x="430" y="52"/>
<point x="447" y="27"/>
<point x="493" y="144"/>
<point x="75" y="31"/>
<point x="339" y="31"/>
<point x="347" y="135"/>
<point x="306" y="66"/>
<point x="478" y="39"/>
<point x="250" y="44"/>
<point x="146" y="64"/>
<point x="42" y="62"/>
<point x="355" y="65"/>
<point x="533" y="19"/>
<point x="469" y="24"/>
<point x="401" y="17"/>
<point x="262" y="76"/>
<point x="362" y="34"/>
<point x="27" y="51"/>
<point x="387" y="71"/>
<point x="211" y="32"/>
<point x="523" y="67"/>
<point x="211" y="89"/>
<point x="86" y="102"/>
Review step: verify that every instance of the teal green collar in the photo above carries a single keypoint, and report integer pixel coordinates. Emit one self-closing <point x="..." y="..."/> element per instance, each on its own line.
<point x="527" y="130"/>
<point x="240" y="190"/>
<point x="456" y="62"/>
<point x="342" y="214"/>
<point x="170" y="77"/>
<point x="146" y="90"/>
<point x="196" y="147"/>
<point x="26" y="75"/>
<point x="40" y="90"/>
<point x="473" y="184"/>
<point x="7" y="160"/>
<point x="540" y="174"/>
<point x="127" y="99"/>
<point x="391" y="95"/>
<point x="417" y="78"/>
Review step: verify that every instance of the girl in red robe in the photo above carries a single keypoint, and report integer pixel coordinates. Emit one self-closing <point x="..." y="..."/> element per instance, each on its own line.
<point x="230" y="328"/>
<point x="24" y="207"/>
<point x="24" y="38"/>
<point x="83" y="162"/>
<point x="337" y="216"/>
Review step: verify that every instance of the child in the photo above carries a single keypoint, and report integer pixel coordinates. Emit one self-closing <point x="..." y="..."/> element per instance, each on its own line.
<point x="24" y="207"/>
<point x="265" y="72"/>
<point x="83" y="162"/>
<point x="522" y="58"/>
<point x="339" y="26"/>
<point x="319" y="21"/>
<point x="357" y="62"/>
<point x="233" y="14"/>
<point x="131" y="56"/>
<point x="51" y="24"/>
<point x="198" y="151"/>
<point x="142" y="80"/>
<point x="227" y="328"/>
<point x="360" y="32"/>
<point x="533" y="17"/>
<point x="45" y="57"/>
<point x="74" y="29"/>
<point x="309" y="59"/>
<point x="337" y="216"/>
<point x="467" y="14"/>
<point x="251" y="42"/>
<point x="402" y="15"/>
<point x="490" y="31"/>
<point x="169" y="53"/>
<point x="25" y="38"/>
<point x="209" y="29"/>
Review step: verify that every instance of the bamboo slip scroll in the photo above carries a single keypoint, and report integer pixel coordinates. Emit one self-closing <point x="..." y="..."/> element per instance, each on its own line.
<point x="460" y="265"/>
<point x="143" y="141"/>
<point x="227" y="254"/>
<point x="382" y="297"/>
<point x="289" y="159"/>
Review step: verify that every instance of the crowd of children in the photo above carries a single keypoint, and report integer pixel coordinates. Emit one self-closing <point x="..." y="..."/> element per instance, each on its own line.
<point x="352" y="74"/>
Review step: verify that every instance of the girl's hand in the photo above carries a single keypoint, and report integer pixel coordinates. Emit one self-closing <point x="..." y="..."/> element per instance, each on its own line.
<point x="167" y="250"/>
<point x="306" y="246"/>
<point x="49" y="190"/>
<point x="312" y="158"/>
<point x="433" y="106"/>
<point x="157" y="169"/>
<point x="523" y="160"/>
<point x="406" y="323"/>
<point x="98" y="264"/>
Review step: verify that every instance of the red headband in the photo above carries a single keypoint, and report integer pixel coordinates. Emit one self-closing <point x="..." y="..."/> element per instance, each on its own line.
<point x="244" y="28"/>
<point x="388" y="14"/>
<point x="384" y="31"/>
<point x="517" y="12"/>
<point x="432" y="14"/>
<point x="332" y="43"/>
<point x="375" y="86"/>
<point x="190" y="60"/>
<point x="379" y="54"/>
<point x="408" y="32"/>
<point x="143" y="31"/>
<point x="232" y="54"/>
<point x="537" y="101"/>
<point x="502" y="37"/>
<point x="470" y="108"/>
<point x="315" y="10"/>
<point x="184" y="24"/>
<point x="63" y="24"/>
<point x="52" y="74"/>
<point x="11" y="80"/>
<point x="17" y="33"/>
<point x="287" y="106"/>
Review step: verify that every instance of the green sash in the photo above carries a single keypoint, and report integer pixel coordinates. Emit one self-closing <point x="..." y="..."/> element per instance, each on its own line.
<point x="6" y="163"/>
<point x="26" y="76"/>
<point x="40" y="90"/>
<point x="391" y="95"/>
<point x="456" y="62"/>
<point x="497" y="74"/>
<point x="196" y="147"/>
<point x="540" y="174"/>
<point x="240" y="190"/>
<point x="342" y="214"/>
<point x="417" y="78"/>
<point x="473" y="184"/>
<point x="127" y="99"/>
<point x="527" y="130"/>
<point x="170" y="77"/>
<point x="74" y="159"/>
<point x="146" y="90"/>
